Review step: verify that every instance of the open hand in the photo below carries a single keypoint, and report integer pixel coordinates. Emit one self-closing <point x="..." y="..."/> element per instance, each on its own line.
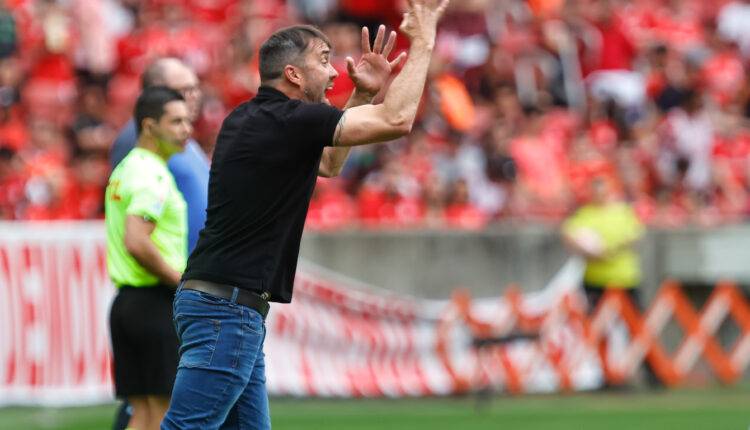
<point x="372" y="71"/>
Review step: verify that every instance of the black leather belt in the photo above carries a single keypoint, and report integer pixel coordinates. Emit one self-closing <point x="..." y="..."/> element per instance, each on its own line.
<point x="244" y="297"/>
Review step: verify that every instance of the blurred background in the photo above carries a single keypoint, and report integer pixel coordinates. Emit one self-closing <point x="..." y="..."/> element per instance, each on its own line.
<point x="527" y="104"/>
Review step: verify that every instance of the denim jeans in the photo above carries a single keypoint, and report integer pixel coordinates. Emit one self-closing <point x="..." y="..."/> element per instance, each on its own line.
<point x="221" y="381"/>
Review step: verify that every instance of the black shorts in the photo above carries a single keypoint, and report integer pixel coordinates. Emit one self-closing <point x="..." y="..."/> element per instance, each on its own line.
<point x="144" y="341"/>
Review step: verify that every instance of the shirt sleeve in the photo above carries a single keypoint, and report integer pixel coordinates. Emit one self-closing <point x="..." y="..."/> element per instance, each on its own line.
<point x="317" y="122"/>
<point x="148" y="195"/>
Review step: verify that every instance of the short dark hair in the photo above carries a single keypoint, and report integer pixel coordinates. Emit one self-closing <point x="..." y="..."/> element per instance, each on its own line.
<point x="285" y="47"/>
<point x="151" y="102"/>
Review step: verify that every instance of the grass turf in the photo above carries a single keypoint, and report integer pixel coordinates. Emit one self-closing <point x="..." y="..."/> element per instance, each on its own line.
<point x="709" y="409"/>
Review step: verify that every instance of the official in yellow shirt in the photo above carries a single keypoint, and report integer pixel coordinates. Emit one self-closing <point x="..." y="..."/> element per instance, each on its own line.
<point x="605" y="232"/>
<point x="146" y="222"/>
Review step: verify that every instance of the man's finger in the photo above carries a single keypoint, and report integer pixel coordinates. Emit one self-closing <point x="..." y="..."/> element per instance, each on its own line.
<point x="365" y="41"/>
<point x="389" y="44"/>
<point x="377" y="46"/>
<point x="350" y="68"/>
<point x="397" y="62"/>
<point x="443" y="6"/>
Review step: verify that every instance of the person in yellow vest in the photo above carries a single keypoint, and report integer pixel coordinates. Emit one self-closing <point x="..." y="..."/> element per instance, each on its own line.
<point x="605" y="232"/>
<point x="146" y="223"/>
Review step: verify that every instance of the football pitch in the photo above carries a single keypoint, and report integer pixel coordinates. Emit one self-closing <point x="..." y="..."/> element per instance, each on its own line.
<point x="709" y="409"/>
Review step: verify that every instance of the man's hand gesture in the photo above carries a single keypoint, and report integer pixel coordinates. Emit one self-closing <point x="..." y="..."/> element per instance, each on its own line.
<point x="421" y="19"/>
<point x="372" y="71"/>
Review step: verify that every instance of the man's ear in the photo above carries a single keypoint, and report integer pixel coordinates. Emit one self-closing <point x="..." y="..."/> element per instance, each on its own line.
<point x="291" y="73"/>
<point x="148" y="126"/>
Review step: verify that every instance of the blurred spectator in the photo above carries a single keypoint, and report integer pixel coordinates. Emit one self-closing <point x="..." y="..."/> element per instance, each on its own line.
<point x="459" y="211"/>
<point x="331" y="208"/>
<point x="723" y="72"/>
<point x="734" y="24"/>
<point x="687" y="145"/>
<point x="390" y="198"/>
<point x="541" y="177"/>
<point x="8" y="32"/>
<point x="433" y="195"/>
<point x="11" y="184"/>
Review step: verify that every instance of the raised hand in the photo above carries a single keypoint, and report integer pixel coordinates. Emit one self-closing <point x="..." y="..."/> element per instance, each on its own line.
<point x="373" y="69"/>
<point x="421" y="18"/>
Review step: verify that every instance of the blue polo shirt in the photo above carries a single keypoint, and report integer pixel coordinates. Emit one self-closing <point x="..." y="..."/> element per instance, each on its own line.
<point x="190" y="171"/>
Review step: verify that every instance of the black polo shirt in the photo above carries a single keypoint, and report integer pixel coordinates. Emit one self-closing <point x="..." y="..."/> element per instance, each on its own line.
<point x="262" y="176"/>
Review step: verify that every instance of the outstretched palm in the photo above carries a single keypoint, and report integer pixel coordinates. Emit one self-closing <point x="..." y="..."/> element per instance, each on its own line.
<point x="373" y="69"/>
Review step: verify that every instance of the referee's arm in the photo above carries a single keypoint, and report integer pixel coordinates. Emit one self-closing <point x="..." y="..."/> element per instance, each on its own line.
<point x="138" y="243"/>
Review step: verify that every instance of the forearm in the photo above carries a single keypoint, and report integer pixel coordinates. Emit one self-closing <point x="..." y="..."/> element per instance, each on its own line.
<point x="144" y="251"/>
<point x="358" y="98"/>
<point x="334" y="158"/>
<point x="577" y="249"/>
<point x="403" y="96"/>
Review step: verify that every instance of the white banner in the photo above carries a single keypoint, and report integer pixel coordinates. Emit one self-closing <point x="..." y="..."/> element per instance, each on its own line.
<point x="337" y="338"/>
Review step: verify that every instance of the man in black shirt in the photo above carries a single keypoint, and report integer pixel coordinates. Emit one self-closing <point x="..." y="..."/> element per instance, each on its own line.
<point x="267" y="156"/>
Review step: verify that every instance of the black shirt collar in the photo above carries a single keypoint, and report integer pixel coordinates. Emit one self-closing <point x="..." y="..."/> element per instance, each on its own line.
<point x="268" y="93"/>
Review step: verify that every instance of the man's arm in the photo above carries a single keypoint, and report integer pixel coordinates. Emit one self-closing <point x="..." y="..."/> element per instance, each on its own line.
<point x="333" y="159"/>
<point x="574" y="245"/>
<point x="138" y="243"/>
<point x="369" y="76"/>
<point x="394" y="118"/>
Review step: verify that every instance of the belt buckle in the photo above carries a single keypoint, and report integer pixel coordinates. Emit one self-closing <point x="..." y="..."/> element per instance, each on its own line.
<point x="265" y="295"/>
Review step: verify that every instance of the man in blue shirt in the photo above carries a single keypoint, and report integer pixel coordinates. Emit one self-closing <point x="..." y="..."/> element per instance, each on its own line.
<point x="189" y="168"/>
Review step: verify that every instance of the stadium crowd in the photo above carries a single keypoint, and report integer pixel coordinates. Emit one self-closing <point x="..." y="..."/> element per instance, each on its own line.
<point x="527" y="102"/>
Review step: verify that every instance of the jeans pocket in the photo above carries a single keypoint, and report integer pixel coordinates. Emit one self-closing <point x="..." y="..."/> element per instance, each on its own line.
<point x="211" y="299"/>
<point x="254" y="322"/>
<point x="198" y="340"/>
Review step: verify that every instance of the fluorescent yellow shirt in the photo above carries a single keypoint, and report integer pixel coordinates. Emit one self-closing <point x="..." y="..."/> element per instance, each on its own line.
<point x="142" y="185"/>
<point x="615" y="224"/>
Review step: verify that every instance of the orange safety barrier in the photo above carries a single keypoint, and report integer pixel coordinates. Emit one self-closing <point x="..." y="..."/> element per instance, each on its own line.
<point x="492" y="362"/>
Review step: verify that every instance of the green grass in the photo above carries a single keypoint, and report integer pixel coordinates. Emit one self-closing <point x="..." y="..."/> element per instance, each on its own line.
<point x="709" y="409"/>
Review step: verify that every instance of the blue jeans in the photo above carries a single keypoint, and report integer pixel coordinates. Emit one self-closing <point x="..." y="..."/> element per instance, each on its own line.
<point x="221" y="380"/>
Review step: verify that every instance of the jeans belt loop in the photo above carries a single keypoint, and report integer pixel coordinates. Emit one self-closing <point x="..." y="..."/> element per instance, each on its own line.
<point x="235" y="293"/>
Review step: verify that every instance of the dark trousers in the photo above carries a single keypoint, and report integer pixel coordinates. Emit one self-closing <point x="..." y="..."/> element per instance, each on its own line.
<point x="594" y="294"/>
<point x="122" y="417"/>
